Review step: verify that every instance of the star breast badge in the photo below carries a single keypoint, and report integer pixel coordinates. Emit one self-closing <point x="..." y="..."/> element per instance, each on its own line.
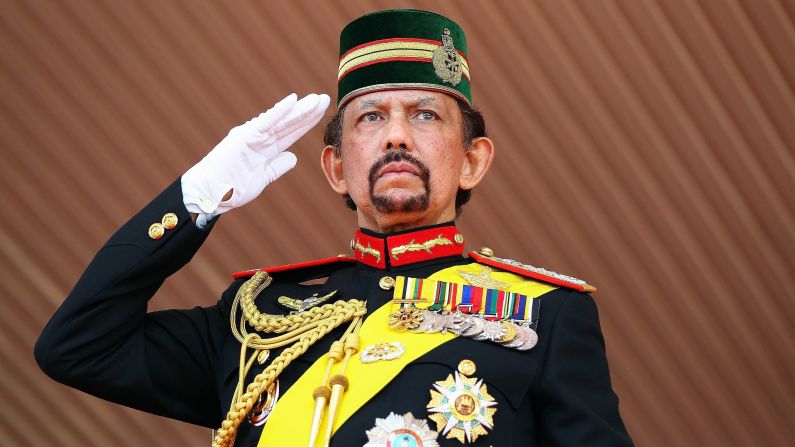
<point x="401" y="431"/>
<point x="462" y="408"/>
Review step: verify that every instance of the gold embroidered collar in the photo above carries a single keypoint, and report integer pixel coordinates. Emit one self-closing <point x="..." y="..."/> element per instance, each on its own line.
<point x="408" y="247"/>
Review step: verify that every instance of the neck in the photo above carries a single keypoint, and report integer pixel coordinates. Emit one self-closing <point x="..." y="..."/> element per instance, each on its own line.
<point x="392" y="222"/>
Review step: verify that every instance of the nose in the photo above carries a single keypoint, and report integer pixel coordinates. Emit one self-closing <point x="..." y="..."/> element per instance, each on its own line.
<point x="398" y="135"/>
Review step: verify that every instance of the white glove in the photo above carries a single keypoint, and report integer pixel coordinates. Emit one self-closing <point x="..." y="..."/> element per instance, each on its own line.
<point x="250" y="157"/>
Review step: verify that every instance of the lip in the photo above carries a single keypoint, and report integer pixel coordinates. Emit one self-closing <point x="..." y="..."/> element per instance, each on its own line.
<point x="399" y="167"/>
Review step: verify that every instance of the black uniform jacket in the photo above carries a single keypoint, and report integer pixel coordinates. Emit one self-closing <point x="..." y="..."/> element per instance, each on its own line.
<point x="183" y="364"/>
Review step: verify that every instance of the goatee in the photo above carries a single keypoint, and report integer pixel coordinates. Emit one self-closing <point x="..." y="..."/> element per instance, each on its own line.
<point x="386" y="204"/>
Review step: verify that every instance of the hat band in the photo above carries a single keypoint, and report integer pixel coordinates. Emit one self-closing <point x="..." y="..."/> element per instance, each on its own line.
<point x="392" y="50"/>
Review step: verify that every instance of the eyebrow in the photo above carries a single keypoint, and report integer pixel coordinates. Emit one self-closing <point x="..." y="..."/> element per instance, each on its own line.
<point x="366" y="104"/>
<point x="424" y="101"/>
<point x="419" y="102"/>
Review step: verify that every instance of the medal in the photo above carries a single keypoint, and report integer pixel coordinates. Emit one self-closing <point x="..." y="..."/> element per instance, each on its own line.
<point x="261" y="411"/>
<point x="382" y="351"/>
<point x="491" y="303"/>
<point x="406" y="318"/>
<point x="506" y="333"/>
<point x="401" y="431"/>
<point x="461" y="406"/>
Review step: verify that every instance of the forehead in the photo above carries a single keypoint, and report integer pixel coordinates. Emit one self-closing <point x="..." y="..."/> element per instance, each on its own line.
<point x="403" y="98"/>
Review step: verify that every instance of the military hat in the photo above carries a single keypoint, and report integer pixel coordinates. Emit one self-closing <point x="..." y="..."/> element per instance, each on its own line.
<point x="403" y="49"/>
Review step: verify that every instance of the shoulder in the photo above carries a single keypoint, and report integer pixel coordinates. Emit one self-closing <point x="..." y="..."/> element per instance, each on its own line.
<point x="486" y="256"/>
<point x="321" y="266"/>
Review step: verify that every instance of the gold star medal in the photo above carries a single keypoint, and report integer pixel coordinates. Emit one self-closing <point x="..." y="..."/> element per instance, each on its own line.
<point x="462" y="407"/>
<point x="401" y="430"/>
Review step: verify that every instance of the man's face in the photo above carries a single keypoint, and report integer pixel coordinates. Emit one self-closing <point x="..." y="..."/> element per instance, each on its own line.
<point x="402" y="157"/>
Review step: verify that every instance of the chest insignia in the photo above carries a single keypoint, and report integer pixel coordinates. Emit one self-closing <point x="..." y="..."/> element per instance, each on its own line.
<point x="382" y="351"/>
<point x="462" y="407"/>
<point x="401" y="430"/>
<point x="483" y="279"/>
<point x="297" y="305"/>
<point x="489" y="303"/>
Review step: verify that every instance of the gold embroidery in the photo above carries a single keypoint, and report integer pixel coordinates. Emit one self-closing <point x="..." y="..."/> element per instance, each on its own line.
<point x="367" y="250"/>
<point x="446" y="60"/>
<point x="425" y="246"/>
<point x="482" y="279"/>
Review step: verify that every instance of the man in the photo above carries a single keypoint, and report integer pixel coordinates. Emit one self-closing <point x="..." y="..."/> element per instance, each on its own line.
<point x="406" y="341"/>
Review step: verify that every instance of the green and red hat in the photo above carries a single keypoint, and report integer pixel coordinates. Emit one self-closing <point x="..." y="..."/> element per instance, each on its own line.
<point x="403" y="49"/>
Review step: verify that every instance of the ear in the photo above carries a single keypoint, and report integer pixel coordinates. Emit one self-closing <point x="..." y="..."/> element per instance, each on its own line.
<point x="477" y="161"/>
<point x="331" y="164"/>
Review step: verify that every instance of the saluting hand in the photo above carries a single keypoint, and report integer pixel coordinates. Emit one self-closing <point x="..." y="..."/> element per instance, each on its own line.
<point x="251" y="157"/>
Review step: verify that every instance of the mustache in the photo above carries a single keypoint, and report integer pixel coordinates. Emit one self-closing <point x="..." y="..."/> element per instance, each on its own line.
<point x="395" y="156"/>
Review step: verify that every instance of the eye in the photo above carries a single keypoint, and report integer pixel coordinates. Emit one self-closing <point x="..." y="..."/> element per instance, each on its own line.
<point x="425" y="115"/>
<point x="369" y="117"/>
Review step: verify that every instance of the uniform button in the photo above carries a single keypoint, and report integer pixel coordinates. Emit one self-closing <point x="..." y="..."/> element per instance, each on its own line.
<point x="459" y="239"/>
<point x="156" y="231"/>
<point x="207" y="205"/>
<point x="467" y="367"/>
<point x="486" y="251"/>
<point x="387" y="282"/>
<point x="170" y="221"/>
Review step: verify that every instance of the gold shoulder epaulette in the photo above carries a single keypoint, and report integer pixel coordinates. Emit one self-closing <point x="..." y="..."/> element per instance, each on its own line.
<point x="486" y="256"/>
<point x="300" y="265"/>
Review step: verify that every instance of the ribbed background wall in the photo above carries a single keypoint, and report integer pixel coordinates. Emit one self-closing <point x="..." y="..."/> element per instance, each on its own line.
<point x="645" y="145"/>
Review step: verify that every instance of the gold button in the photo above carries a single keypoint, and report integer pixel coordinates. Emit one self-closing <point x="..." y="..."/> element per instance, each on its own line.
<point x="467" y="367"/>
<point x="459" y="239"/>
<point x="486" y="251"/>
<point x="156" y="230"/>
<point x="170" y="221"/>
<point x="387" y="282"/>
<point x="353" y="244"/>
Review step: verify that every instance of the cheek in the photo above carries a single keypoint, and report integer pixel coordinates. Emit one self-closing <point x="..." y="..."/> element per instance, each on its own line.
<point x="446" y="163"/>
<point x="356" y="167"/>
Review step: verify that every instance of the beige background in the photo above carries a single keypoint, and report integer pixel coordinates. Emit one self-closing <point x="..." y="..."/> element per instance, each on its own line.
<point x="644" y="145"/>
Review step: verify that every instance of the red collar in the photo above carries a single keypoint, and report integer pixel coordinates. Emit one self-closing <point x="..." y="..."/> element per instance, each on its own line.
<point x="384" y="250"/>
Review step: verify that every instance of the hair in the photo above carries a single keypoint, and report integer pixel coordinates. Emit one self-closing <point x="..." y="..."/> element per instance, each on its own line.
<point x="473" y="125"/>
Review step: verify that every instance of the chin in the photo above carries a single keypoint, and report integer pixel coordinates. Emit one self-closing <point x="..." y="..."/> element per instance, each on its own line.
<point x="401" y="203"/>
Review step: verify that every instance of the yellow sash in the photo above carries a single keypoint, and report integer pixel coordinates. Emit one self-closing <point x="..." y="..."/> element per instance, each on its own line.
<point x="290" y="423"/>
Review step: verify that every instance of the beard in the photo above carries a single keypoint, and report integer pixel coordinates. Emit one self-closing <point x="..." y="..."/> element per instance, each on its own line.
<point x="384" y="203"/>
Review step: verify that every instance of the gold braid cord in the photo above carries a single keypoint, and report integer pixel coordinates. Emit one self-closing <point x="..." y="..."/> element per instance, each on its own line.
<point x="299" y="330"/>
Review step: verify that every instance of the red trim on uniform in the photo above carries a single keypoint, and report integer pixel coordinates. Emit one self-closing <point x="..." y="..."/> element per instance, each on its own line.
<point x="422" y="237"/>
<point x="300" y="265"/>
<point x="369" y="242"/>
<point x="518" y="270"/>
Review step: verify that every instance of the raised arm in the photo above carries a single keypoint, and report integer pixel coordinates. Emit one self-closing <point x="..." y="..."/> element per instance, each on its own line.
<point x="102" y="340"/>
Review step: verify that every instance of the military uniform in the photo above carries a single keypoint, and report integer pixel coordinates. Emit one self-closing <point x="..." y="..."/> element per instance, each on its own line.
<point x="183" y="364"/>
<point x="428" y="336"/>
